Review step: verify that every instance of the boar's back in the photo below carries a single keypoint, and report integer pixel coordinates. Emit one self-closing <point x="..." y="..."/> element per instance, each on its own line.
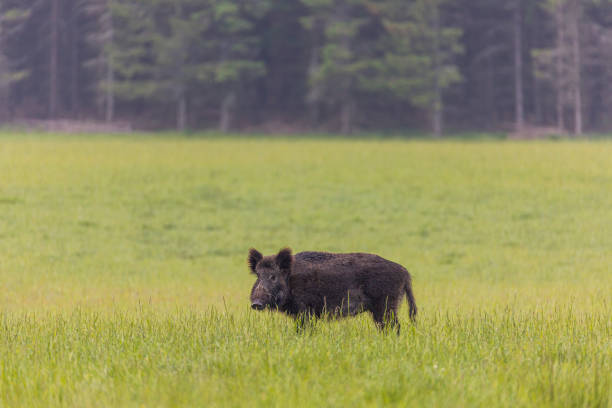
<point x="313" y="256"/>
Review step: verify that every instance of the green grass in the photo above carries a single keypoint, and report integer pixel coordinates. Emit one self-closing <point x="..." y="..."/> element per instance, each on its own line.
<point x="124" y="278"/>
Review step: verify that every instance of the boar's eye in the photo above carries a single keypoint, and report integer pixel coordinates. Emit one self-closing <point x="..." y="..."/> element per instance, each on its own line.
<point x="273" y="278"/>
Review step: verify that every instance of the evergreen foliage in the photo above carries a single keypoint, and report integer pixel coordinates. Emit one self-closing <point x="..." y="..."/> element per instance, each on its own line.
<point x="335" y="65"/>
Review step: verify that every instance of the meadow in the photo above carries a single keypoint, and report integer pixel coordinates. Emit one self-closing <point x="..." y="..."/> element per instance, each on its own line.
<point x="124" y="278"/>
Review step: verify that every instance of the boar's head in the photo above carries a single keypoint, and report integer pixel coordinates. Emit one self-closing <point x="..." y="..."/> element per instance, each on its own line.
<point x="271" y="289"/>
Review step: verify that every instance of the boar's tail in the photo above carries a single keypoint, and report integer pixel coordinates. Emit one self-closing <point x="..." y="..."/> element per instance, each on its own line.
<point x="410" y="297"/>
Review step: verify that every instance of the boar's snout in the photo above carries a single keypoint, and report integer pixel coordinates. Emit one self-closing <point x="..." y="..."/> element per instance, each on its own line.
<point x="260" y="298"/>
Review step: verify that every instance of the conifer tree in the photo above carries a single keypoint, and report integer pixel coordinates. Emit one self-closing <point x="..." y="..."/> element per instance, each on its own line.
<point x="172" y="49"/>
<point x="99" y="34"/>
<point x="420" y="55"/>
<point x="342" y="59"/>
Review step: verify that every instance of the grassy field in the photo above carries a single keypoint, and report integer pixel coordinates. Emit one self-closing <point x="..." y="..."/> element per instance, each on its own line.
<point x="124" y="278"/>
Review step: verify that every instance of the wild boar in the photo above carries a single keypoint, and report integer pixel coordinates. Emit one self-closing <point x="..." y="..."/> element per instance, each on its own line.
<point x="322" y="283"/>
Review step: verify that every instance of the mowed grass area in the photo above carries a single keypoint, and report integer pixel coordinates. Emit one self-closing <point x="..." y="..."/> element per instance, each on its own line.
<point x="124" y="278"/>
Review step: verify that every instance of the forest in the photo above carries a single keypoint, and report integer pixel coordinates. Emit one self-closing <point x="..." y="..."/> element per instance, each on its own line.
<point x="344" y="66"/>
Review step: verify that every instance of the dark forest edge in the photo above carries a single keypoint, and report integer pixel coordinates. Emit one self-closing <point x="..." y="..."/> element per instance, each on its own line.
<point x="14" y="133"/>
<point x="530" y="68"/>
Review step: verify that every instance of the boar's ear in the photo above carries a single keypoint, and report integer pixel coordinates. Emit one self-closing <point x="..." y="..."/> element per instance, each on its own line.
<point x="254" y="257"/>
<point x="284" y="259"/>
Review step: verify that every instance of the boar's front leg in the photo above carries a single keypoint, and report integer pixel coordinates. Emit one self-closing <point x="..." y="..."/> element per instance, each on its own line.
<point x="303" y="320"/>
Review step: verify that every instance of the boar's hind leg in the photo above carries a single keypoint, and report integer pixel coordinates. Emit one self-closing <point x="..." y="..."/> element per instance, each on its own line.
<point x="384" y="312"/>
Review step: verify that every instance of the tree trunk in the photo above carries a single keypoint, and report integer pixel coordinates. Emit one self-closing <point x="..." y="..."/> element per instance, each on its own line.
<point x="518" y="67"/>
<point x="576" y="71"/>
<point x="537" y="100"/>
<point x="540" y="114"/>
<point x="560" y="60"/>
<point x="74" y="63"/>
<point x="437" y="120"/>
<point x="314" y="114"/>
<point x="181" y="113"/>
<point x="313" y="98"/>
<point x="110" y="72"/>
<point x="227" y="105"/>
<point x="4" y="101"/>
<point x="346" y="117"/>
<point x="110" y="95"/>
<point x="53" y="60"/>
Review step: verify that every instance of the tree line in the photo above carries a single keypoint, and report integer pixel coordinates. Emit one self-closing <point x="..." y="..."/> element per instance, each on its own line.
<point x="338" y="65"/>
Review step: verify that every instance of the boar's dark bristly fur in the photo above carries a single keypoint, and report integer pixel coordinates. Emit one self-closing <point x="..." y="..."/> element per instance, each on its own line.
<point x="322" y="283"/>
